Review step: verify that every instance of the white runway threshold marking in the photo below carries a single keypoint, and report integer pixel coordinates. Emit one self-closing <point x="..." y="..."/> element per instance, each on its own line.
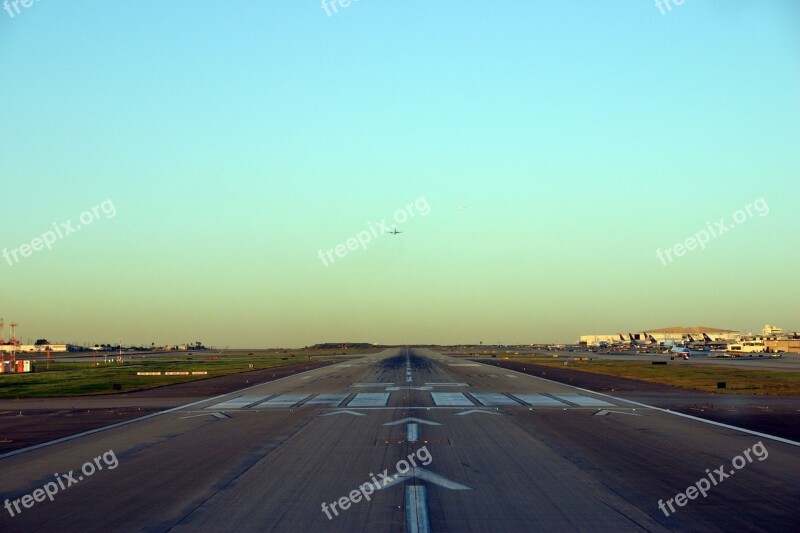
<point x="539" y="400"/>
<point x="417" y="510"/>
<point x="370" y="399"/>
<point x="583" y="401"/>
<point x="238" y="403"/>
<point x="412" y="433"/>
<point x="451" y="398"/>
<point x="284" y="400"/>
<point x="328" y="399"/>
<point x="493" y="398"/>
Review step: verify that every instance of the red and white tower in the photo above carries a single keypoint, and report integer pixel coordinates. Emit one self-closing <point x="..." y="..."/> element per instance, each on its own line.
<point x="13" y="339"/>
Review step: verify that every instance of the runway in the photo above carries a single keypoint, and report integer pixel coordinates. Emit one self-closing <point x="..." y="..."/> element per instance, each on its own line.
<point x="503" y="451"/>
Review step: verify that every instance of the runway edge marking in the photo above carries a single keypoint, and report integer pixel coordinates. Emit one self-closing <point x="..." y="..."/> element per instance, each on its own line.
<point x="668" y="411"/>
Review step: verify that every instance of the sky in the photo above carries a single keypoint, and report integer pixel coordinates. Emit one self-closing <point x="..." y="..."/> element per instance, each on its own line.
<point x="182" y="171"/>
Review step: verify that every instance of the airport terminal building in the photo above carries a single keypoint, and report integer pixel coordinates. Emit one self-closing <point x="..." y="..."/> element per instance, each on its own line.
<point x="772" y="338"/>
<point x="674" y="333"/>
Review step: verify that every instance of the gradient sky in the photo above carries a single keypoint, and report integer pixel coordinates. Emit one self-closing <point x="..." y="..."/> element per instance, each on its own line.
<point x="558" y="145"/>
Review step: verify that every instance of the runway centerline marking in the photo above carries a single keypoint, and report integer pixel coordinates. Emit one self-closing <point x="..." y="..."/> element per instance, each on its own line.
<point x="417" y="520"/>
<point x="412" y="432"/>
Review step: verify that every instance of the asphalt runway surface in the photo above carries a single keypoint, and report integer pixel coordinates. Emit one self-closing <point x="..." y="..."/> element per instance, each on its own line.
<point x="29" y="421"/>
<point x="776" y="415"/>
<point x="451" y="445"/>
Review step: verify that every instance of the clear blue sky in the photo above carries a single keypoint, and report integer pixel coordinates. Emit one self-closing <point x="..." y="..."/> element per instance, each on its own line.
<point x="558" y="146"/>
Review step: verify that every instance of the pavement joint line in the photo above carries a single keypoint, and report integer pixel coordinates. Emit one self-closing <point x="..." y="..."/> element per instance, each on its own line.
<point x="668" y="411"/>
<point x="141" y="418"/>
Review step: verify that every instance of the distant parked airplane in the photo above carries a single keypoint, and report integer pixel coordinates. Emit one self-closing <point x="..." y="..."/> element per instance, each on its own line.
<point x="680" y="351"/>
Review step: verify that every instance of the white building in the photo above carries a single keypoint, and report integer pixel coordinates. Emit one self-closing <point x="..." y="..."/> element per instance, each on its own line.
<point x="33" y="348"/>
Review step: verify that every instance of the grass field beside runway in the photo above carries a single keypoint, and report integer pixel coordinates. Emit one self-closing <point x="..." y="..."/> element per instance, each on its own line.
<point x="705" y="378"/>
<point x="82" y="378"/>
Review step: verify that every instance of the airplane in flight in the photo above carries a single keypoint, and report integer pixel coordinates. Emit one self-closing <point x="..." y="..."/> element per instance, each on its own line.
<point x="395" y="232"/>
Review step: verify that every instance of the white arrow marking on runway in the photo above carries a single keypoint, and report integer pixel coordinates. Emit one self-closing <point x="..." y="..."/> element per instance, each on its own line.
<point x="215" y="415"/>
<point x="476" y="411"/>
<point x="412" y="419"/>
<point x="426" y="475"/>
<point x="346" y="411"/>
<point x="605" y="412"/>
